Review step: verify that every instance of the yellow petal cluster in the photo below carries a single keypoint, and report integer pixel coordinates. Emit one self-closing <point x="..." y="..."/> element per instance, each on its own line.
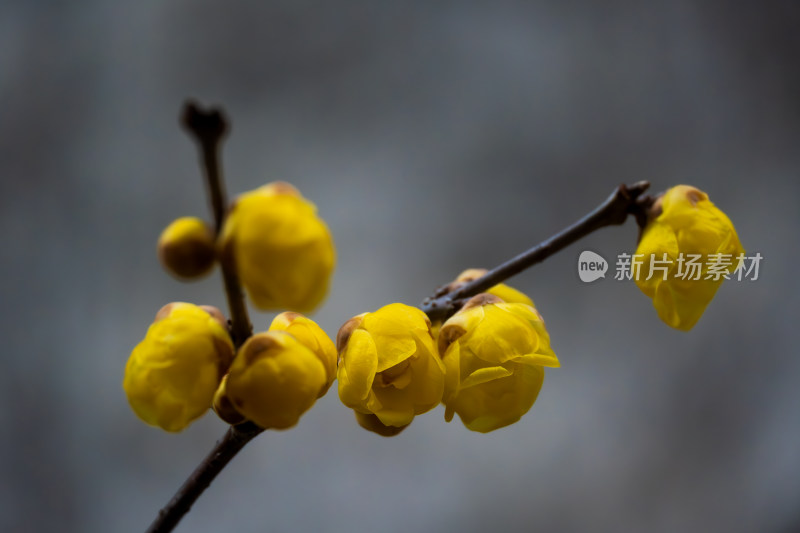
<point x="687" y="222"/>
<point x="282" y="251"/>
<point x="171" y="376"/>
<point x="274" y="380"/>
<point x="312" y="337"/>
<point x="494" y="353"/>
<point x="389" y="366"/>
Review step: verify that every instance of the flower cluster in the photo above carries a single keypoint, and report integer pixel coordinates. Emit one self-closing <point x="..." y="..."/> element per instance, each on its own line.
<point x="485" y="363"/>
<point x="283" y="254"/>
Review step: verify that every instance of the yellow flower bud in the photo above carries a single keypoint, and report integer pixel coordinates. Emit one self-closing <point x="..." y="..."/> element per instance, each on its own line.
<point x="282" y="250"/>
<point x="684" y="223"/>
<point x="312" y="337"/>
<point x="186" y="248"/>
<point x="274" y="380"/>
<point x="171" y="376"/>
<point x="504" y="292"/>
<point x="389" y="366"/>
<point x="494" y="353"/>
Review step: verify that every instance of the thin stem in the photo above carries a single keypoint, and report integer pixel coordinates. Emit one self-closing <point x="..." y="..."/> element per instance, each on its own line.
<point x="208" y="127"/>
<point x="625" y="200"/>
<point x="226" y="448"/>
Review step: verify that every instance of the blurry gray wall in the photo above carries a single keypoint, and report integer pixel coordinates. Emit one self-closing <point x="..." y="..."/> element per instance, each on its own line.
<point x="433" y="137"/>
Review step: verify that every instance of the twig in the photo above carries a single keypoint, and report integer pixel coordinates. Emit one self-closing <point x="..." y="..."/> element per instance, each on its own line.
<point x="225" y="450"/>
<point x="625" y="200"/>
<point x="208" y="127"/>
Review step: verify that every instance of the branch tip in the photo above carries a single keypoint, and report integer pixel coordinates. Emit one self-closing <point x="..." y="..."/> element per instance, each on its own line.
<point x="208" y="125"/>
<point x="623" y="201"/>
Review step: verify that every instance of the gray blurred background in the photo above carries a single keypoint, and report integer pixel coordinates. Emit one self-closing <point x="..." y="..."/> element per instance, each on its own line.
<point x="433" y="137"/>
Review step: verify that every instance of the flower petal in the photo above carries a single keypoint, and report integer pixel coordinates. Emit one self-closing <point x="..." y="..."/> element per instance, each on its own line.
<point x="357" y="368"/>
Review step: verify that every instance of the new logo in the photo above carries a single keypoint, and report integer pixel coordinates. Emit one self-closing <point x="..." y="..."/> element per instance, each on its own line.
<point x="591" y="266"/>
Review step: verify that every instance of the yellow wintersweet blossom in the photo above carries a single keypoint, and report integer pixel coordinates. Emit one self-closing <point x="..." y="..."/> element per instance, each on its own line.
<point x="389" y="366"/>
<point x="282" y="251"/>
<point x="186" y="248"/>
<point x="171" y="376"/>
<point x="312" y="337"/>
<point x="495" y="353"/>
<point x="685" y="224"/>
<point x="274" y="380"/>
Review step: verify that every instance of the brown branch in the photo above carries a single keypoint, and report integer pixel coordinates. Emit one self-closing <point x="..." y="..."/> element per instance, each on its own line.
<point x="208" y="127"/>
<point x="625" y="200"/>
<point x="226" y="448"/>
